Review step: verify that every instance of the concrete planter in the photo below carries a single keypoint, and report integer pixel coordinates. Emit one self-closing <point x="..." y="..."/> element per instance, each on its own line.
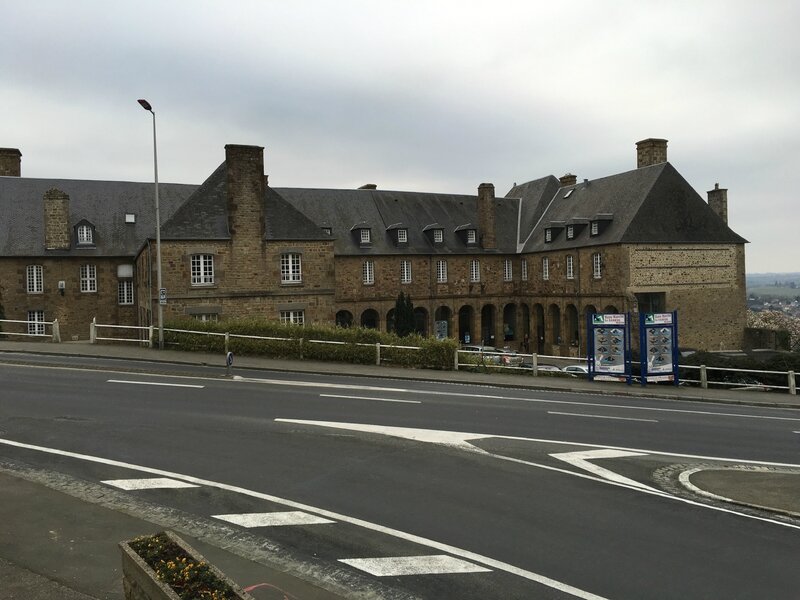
<point x="140" y="582"/>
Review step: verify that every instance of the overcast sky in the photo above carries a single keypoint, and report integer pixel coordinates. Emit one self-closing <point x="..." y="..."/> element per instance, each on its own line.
<point x="416" y="95"/>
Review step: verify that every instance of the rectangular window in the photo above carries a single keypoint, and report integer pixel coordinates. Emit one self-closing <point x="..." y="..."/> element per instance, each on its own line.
<point x="441" y="271"/>
<point x="524" y="269"/>
<point x="548" y="235"/>
<point x="545" y="269"/>
<point x="295" y="317"/>
<point x="570" y="232"/>
<point x="327" y="231"/>
<point x="36" y="322"/>
<point x="368" y="272"/>
<point x="438" y="236"/>
<point x="508" y="272"/>
<point x="125" y="291"/>
<point x="34" y="279"/>
<point x="202" y="269"/>
<point x="364" y="236"/>
<point x="84" y="234"/>
<point x="214" y="317"/>
<point x="475" y="270"/>
<point x="595" y="228"/>
<point x="405" y="271"/>
<point x="88" y="278"/>
<point x="291" y="268"/>
<point x="472" y="237"/>
<point x="402" y="236"/>
<point x="570" y="268"/>
<point x="597" y="266"/>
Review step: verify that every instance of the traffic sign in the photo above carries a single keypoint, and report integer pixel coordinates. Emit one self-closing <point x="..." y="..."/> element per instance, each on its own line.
<point x="162" y="296"/>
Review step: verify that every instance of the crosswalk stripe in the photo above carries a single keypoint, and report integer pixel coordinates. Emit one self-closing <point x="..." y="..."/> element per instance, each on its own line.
<point x="150" y="483"/>
<point x="273" y="519"/>
<point x="436" y="564"/>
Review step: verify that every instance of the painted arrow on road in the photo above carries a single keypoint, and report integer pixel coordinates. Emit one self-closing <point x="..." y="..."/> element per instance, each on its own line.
<point x="581" y="460"/>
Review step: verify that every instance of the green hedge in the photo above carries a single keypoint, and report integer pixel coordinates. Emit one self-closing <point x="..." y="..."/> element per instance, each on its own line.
<point x="434" y="354"/>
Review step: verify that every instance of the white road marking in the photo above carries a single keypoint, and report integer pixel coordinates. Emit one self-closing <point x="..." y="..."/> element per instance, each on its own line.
<point x="553" y="412"/>
<point x="369" y="398"/>
<point x="273" y="519"/>
<point x="581" y="460"/>
<point x="515" y="398"/>
<point x="184" y="385"/>
<point x="410" y="537"/>
<point x="394" y="566"/>
<point x="151" y="483"/>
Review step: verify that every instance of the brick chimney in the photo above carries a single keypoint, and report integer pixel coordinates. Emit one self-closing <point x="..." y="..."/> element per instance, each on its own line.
<point x="56" y="220"/>
<point x="486" y="215"/>
<point x="718" y="201"/>
<point x="568" y="179"/>
<point x="246" y="187"/>
<point x="10" y="162"/>
<point x="652" y="151"/>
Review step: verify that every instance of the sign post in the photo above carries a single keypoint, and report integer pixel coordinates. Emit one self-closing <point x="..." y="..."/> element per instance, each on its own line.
<point x="228" y="363"/>
<point x="162" y="296"/>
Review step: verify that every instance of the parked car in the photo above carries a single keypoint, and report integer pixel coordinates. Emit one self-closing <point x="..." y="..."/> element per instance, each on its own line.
<point x="576" y="370"/>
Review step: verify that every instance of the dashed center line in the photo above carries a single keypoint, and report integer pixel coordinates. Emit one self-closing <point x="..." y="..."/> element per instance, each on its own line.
<point x="184" y="385"/>
<point x="393" y="566"/>
<point x="568" y="414"/>
<point x="369" y="398"/>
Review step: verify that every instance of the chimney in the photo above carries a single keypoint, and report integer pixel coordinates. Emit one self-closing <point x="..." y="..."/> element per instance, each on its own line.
<point x="10" y="162"/>
<point x="486" y="215"/>
<point x="718" y="201"/>
<point x="568" y="179"/>
<point x="369" y="186"/>
<point x="652" y="151"/>
<point x="246" y="187"/>
<point x="56" y="220"/>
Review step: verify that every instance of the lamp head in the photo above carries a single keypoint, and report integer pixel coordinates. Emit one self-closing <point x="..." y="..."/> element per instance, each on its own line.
<point x="145" y="104"/>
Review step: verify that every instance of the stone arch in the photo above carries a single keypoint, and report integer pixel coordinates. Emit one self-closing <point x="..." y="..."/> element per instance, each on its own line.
<point x="573" y="325"/>
<point x="487" y="325"/>
<point x="466" y="324"/>
<point x="554" y="316"/>
<point x="509" y="322"/>
<point x="611" y="309"/>
<point x="421" y="321"/>
<point x="541" y="328"/>
<point x="370" y="319"/>
<point x="443" y="314"/>
<point x="344" y="318"/>
<point x="390" y="321"/>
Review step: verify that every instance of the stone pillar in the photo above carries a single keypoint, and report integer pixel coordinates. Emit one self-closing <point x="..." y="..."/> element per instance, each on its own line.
<point x="718" y="201"/>
<point x="652" y="151"/>
<point x="486" y="216"/>
<point x="57" y="234"/>
<point x="10" y="162"/>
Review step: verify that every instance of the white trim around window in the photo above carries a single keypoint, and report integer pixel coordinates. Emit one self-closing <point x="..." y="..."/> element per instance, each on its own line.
<point x="84" y="234"/>
<point x="570" y="267"/>
<point x="472" y="236"/>
<point x="34" y="279"/>
<point x="475" y="270"/>
<point x="441" y="271"/>
<point x="405" y="271"/>
<point x="125" y="292"/>
<point x="597" y="266"/>
<point x="545" y="268"/>
<point x="294" y="317"/>
<point x="36" y="322"/>
<point x="524" y="269"/>
<point x="438" y="236"/>
<point x="368" y="272"/>
<point x="508" y="270"/>
<point x="291" y="268"/>
<point x="88" y="278"/>
<point x="202" y="269"/>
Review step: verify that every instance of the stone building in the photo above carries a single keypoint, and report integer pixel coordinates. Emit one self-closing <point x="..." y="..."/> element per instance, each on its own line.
<point x="478" y="267"/>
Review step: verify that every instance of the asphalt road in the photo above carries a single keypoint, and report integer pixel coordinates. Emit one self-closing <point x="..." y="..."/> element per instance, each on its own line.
<point x="547" y="495"/>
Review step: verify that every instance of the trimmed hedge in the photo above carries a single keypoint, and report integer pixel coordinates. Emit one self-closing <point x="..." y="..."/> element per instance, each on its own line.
<point x="294" y="343"/>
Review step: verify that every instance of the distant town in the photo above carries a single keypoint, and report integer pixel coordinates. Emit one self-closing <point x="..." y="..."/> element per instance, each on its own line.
<point x="773" y="301"/>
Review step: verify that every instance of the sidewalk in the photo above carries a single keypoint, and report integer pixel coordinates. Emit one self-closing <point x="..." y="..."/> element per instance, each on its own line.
<point x="55" y="545"/>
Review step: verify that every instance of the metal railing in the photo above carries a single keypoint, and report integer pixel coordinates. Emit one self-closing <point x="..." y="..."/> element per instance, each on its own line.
<point x="54" y="335"/>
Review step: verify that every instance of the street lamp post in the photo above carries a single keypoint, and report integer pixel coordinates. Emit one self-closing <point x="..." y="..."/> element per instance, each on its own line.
<point x="146" y="105"/>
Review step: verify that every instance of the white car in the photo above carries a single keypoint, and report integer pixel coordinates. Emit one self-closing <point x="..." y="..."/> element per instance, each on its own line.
<point x="577" y="370"/>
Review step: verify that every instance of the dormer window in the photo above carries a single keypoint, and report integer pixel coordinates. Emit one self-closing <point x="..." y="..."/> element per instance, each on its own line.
<point x="548" y="235"/>
<point x="365" y="237"/>
<point x="438" y="236"/>
<point x="600" y="222"/>
<point x="85" y="236"/>
<point x="362" y="234"/>
<point x="595" y="228"/>
<point x="472" y="236"/>
<point x="402" y="236"/>
<point x="570" y="232"/>
<point x="327" y="231"/>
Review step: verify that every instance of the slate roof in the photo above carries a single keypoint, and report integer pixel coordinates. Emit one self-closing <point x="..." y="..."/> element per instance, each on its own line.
<point x="102" y="203"/>
<point x="380" y="210"/>
<point x="652" y="204"/>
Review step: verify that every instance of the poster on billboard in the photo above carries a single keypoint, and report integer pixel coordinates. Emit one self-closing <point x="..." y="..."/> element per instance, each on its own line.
<point x="659" y="345"/>
<point x="609" y="345"/>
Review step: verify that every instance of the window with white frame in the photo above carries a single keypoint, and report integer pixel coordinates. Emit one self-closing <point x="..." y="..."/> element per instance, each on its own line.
<point x="35" y="280"/>
<point x="441" y="271"/>
<point x="213" y="317"/>
<point x="545" y="268"/>
<point x="84" y="234"/>
<point x="368" y="272"/>
<point x="36" y="322"/>
<point x="508" y="270"/>
<point x="438" y="236"/>
<point x="365" y="236"/>
<point x="475" y="270"/>
<point x="402" y="236"/>
<point x="597" y="265"/>
<point x="327" y="231"/>
<point x="291" y="268"/>
<point x="570" y="267"/>
<point x="524" y="269"/>
<point x="472" y="236"/>
<point x="548" y="235"/>
<point x="202" y="266"/>
<point x="295" y="317"/>
<point x="125" y="291"/>
<point x="88" y="278"/>
<point x="405" y="271"/>
<point x="595" y="228"/>
<point x="570" y="232"/>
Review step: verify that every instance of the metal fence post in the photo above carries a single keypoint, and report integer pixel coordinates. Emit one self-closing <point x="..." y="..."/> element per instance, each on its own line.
<point x="93" y="331"/>
<point x="792" y="384"/>
<point x="534" y="364"/>
<point x="703" y="377"/>
<point x="56" y="332"/>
